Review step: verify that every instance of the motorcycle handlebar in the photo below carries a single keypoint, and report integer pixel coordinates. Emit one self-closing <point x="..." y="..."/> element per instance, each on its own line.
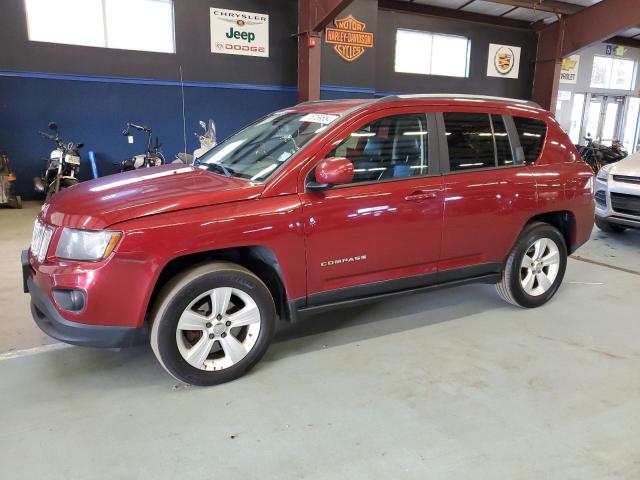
<point x="47" y="136"/>
<point x="142" y="128"/>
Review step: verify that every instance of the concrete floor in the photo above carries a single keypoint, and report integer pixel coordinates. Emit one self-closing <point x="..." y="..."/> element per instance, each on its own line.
<point x="449" y="384"/>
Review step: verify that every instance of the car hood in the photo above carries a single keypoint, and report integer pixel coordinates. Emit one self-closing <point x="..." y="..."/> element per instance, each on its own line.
<point x="96" y="204"/>
<point x="629" y="166"/>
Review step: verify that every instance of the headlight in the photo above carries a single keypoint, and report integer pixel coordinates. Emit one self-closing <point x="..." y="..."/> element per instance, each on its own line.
<point x="40" y="240"/>
<point x="86" y="244"/>
<point x="603" y="173"/>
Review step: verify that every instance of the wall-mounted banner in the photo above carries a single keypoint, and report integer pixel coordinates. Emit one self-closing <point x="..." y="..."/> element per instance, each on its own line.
<point x="504" y="61"/>
<point x="239" y="33"/>
<point x="569" y="69"/>
<point x="349" y="38"/>
<point x="620" y="50"/>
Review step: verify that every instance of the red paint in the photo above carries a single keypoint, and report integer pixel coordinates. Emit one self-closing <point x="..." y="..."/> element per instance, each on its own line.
<point x="334" y="171"/>
<point x="403" y="227"/>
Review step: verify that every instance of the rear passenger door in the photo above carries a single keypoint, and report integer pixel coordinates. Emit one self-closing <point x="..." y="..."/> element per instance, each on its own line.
<point x="489" y="192"/>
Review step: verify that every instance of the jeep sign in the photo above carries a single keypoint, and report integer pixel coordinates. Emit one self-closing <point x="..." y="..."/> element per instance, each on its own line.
<point x="239" y="33"/>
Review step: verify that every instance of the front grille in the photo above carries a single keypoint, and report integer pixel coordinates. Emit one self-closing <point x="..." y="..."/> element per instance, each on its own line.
<point x="626" y="179"/>
<point x="623" y="203"/>
<point x="601" y="198"/>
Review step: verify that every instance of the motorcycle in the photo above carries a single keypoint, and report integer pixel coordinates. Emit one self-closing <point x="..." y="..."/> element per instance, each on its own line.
<point x="63" y="166"/>
<point x="207" y="142"/>
<point x="8" y="198"/>
<point x="597" y="155"/>
<point x="152" y="157"/>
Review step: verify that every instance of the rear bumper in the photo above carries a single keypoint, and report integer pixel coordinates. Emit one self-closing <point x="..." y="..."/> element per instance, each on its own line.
<point x="53" y="324"/>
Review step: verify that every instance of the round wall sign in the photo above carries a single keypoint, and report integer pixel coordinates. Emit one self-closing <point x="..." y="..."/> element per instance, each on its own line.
<point x="503" y="60"/>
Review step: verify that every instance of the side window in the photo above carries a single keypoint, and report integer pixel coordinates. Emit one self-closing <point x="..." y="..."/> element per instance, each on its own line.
<point x="504" y="152"/>
<point x="470" y="141"/>
<point x="390" y="147"/>
<point x="532" y="133"/>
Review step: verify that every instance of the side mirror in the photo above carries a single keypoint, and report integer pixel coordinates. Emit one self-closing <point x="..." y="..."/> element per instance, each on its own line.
<point x="332" y="171"/>
<point x="53" y="126"/>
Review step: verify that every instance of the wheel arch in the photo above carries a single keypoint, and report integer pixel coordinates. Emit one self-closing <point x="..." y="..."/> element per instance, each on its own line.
<point x="260" y="260"/>
<point x="564" y="221"/>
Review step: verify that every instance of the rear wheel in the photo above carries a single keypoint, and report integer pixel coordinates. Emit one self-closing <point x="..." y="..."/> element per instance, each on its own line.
<point x="212" y="323"/>
<point x="535" y="267"/>
<point x="609" y="227"/>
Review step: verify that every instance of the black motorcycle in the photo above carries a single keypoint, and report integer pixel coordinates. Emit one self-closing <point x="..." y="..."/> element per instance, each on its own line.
<point x="597" y="155"/>
<point x="62" y="168"/>
<point x="152" y="156"/>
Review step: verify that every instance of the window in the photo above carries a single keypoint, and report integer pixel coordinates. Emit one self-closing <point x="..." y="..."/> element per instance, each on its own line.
<point x="532" y="133"/>
<point x="613" y="73"/>
<point x="390" y="147"/>
<point x="145" y="25"/>
<point x="470" y="141"/>
<point x="577" y="111"/>
<point x="431" y="53"/>
<point x="259" y="150"/>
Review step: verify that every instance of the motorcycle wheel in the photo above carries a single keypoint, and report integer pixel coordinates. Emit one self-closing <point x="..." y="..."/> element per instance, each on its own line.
<point x="68" y="182"/>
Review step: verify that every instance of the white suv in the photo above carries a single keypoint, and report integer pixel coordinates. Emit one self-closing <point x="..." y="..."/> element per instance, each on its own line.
<point x="618" y="195"/>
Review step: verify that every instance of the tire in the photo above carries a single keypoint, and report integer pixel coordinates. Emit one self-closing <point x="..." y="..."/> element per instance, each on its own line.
<point x="538" y="241"/>
<point x="190" y="299"/>
<point x="609" y="227"/>
<point x="68" y="182"/>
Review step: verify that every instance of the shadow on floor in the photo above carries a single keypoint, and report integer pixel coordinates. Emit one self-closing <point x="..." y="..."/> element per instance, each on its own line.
<point x="137" y="367"/>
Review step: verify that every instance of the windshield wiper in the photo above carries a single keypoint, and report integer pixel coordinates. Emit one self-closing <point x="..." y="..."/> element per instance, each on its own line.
<point x="219" y="168"/>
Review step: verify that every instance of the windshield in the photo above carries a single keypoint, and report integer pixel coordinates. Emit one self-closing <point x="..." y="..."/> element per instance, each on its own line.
<point x="256" y="152"/>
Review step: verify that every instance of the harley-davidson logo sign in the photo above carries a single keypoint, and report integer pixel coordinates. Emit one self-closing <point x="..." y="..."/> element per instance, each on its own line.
<point x="349" y="38"/>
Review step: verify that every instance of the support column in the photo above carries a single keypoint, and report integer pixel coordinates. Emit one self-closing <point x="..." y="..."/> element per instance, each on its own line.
<point x="309" y="61"/>
<point x="313" y="16"/>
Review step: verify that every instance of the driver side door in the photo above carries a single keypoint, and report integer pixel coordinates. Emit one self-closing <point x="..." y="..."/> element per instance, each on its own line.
<point x="382" y="231"/>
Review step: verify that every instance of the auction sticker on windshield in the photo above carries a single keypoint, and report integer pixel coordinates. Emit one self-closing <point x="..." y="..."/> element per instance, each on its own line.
<point x="323" y="118"/>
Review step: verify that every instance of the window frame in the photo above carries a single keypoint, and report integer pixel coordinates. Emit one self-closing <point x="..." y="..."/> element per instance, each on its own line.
<point x="433" y="35"/>
<point x="105" y="33"/>
<point x="514" y="140"/>
<point x="433" y="147"/>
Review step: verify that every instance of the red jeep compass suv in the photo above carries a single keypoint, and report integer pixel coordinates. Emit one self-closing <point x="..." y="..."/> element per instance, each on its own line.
<point x="320" y="205"/>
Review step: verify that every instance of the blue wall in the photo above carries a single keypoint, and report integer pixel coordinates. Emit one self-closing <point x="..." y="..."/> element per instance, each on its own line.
<point x="95" y="110"/>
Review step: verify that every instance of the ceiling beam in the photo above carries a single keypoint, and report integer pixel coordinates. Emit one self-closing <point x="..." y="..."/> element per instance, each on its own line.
<point x="323" y="12"/>
<point x="596" y="23"/>
<point x="624" y="41"/>
<point x="420" y="9"/>
<point x="571" y="33"/>
<point x="551" y="6"/>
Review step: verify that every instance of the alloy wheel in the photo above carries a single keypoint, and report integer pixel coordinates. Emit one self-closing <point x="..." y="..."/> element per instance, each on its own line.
<point x="218" y="329"/>
<point x="540" y="266"/>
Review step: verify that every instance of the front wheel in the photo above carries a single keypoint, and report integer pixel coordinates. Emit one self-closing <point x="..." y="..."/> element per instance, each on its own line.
<point x="535" y="267"/>
<point x="212" y="323"/>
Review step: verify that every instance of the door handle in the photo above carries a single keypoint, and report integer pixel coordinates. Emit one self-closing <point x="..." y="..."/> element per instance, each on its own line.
<point x="420" y="196"/>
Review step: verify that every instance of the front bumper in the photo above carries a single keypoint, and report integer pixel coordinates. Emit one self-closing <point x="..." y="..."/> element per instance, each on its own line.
<point x="53" y="324"/>
<point x="605" y="208"/>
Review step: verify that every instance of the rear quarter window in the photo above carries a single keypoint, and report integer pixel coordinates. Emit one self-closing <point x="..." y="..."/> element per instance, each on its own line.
<point x="532" y="133"/>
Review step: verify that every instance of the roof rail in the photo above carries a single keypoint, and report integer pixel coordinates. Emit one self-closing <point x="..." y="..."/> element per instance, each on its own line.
<point x="461" y="96"/>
